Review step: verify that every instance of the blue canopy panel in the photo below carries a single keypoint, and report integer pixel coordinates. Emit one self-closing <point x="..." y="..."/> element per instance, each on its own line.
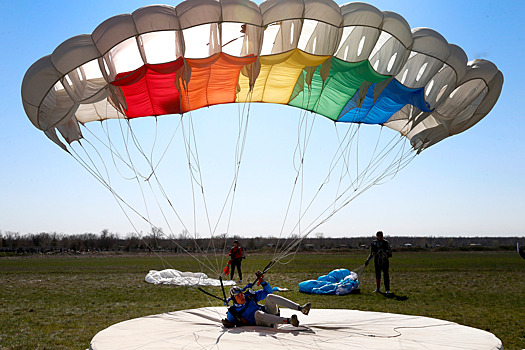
<point x="394" y="97"/>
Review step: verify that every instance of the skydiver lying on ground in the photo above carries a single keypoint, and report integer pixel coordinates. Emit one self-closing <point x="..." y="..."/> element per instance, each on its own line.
<point x="247" y="312"/>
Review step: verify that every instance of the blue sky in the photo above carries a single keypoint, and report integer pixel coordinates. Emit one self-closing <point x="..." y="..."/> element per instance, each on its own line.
<point x="468" y="185"/>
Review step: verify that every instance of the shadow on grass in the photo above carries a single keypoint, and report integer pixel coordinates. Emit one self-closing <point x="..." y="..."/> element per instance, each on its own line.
<point x="394" y="296"/>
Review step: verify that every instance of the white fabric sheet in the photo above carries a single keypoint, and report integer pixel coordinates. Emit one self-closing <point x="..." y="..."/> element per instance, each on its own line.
<point x="322" y="329"/>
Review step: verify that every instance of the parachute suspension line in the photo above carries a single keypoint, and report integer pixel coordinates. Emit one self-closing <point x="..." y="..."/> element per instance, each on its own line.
<point x="346" y="200"/>
<point x="307" y="135"/>
<point x="201" y="185"/>
<point x="349" y="148"/>
<point x="97" y="174"/>
<point x="126" y="136"/>
<point x="294" y="244"/>
<point x="153" y="175"/>
<point x="379" y="158"/>
<point x="299" y="152"/>
<point x="161" y="189"/>
<point x="150" y="159"/>
<point x="302" y="156"/>
<point x="106" y="183"/>
<point x="147" y="177"/>
<point x="404" y="160"/>
<point x="154" y="228"/>
<point x="93" y="171"/>
<point x="363" y="175"/>
<point x="125" y="139"/>
<point x="375" y="162"/>
<point x="189" y="154"/>
<point x="192" y="154"/>
<point x="190" y="144"/>
<point x="391" y="170"/>
<point x="353" y="131"/>
<point x="243" y="118"/>
<point x="109" y="146"/>
<point x="194" y="167"/>
<point x="345" y="169"/>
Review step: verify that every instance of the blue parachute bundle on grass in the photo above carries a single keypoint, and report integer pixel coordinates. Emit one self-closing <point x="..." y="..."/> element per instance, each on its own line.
<point x="338" y="282"/>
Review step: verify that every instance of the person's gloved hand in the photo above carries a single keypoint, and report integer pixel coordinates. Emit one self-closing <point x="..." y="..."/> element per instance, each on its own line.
<point x="227" y="323"/>
<point x="260" y="276"/>
<point x="366" y="262"/>
<point x="248" y="286"/>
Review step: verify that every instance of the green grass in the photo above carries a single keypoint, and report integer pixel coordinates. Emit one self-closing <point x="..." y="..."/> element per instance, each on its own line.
<point x="62" y="302"/>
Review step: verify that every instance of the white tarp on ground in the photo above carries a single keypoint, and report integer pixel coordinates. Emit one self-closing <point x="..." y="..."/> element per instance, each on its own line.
<point x="179" y="278"/>
<point x="322" y="329"/>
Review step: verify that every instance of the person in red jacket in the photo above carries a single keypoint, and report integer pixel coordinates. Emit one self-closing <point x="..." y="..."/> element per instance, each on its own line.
<point x="236" y="255"/>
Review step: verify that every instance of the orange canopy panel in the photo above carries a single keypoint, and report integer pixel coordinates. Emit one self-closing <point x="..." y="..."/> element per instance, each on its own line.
<point x="213" y="80"/>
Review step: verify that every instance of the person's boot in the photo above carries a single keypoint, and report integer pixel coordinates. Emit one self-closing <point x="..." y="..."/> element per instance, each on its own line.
<point x="294" y="321"/>
<point x="305" y="309"/>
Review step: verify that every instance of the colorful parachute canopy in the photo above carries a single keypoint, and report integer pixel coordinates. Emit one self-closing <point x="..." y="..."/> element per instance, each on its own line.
<point x="350" y="63"/>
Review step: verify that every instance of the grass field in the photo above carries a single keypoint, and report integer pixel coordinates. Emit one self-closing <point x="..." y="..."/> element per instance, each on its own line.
<point x="61" y="302"/>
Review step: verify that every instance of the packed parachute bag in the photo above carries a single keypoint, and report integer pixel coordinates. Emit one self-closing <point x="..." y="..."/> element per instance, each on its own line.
<point x="338" y="282"/>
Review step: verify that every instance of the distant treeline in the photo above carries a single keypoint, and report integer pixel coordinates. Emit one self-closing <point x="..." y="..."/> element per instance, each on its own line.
<point x="53" y="242"/>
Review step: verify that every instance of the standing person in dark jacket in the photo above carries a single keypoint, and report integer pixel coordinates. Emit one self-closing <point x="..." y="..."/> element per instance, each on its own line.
<point x="236" y="255"/>
<point x="381" y="251"/>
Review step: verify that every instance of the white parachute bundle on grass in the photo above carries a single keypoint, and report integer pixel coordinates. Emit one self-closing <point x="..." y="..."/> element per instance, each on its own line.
<point x="179" y="278"/>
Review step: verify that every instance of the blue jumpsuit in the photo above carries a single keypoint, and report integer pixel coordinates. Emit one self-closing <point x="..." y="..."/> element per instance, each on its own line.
<point x="248" y="309"/>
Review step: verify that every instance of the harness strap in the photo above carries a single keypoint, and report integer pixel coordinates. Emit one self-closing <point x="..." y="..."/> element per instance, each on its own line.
<point x="239" y="320"/>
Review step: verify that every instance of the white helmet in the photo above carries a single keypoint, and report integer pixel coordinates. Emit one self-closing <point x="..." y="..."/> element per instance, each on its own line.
<point x="234" y="291"/>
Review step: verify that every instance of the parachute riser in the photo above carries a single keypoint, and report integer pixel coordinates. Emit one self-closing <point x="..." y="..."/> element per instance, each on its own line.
<point x="214" y="296"/>
<point x="223" y="292"/>
<point x="270" y="264"/>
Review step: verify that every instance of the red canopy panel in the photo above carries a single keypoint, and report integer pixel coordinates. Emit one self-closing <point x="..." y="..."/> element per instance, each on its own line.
<point x="150" y="90"/>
